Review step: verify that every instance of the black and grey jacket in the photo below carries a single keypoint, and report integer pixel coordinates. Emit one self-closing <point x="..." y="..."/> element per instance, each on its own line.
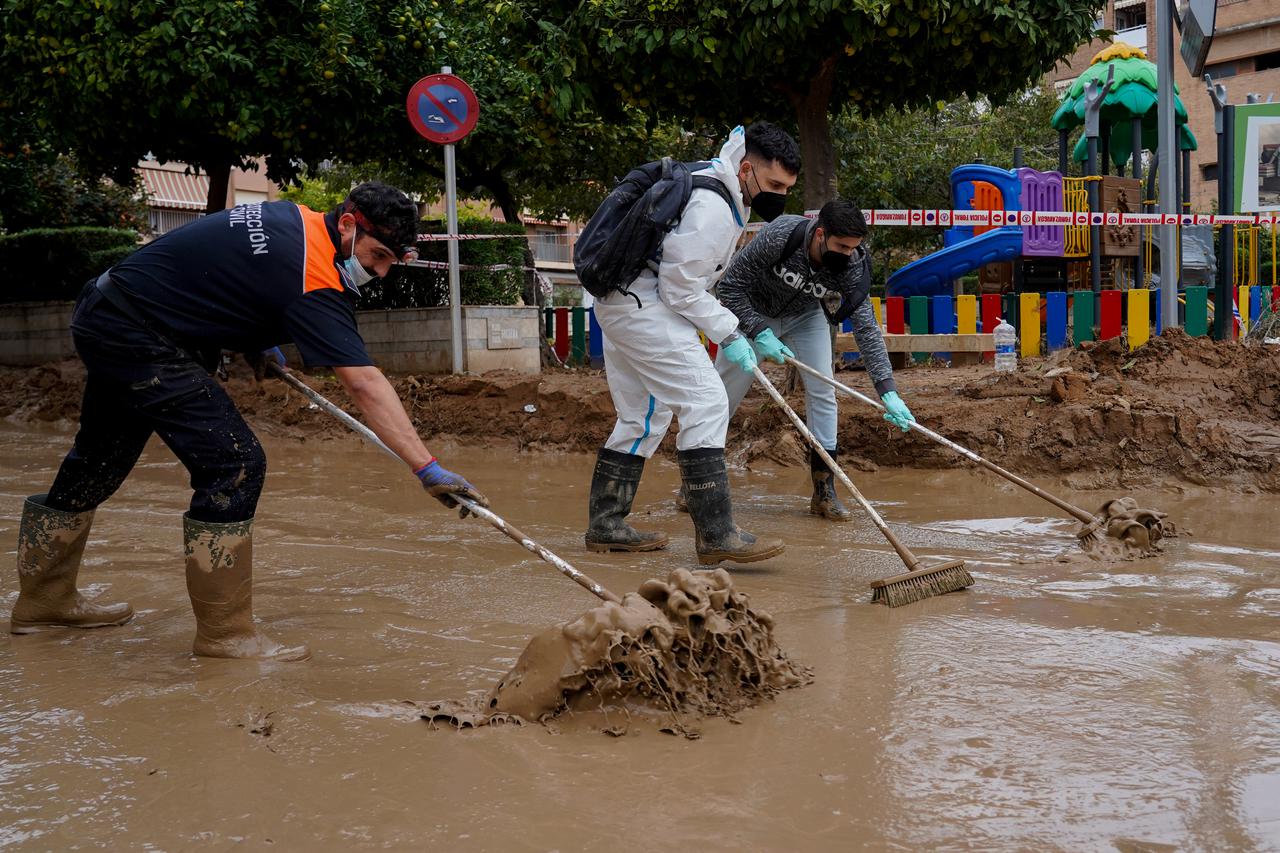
<point x="760" y="285"/>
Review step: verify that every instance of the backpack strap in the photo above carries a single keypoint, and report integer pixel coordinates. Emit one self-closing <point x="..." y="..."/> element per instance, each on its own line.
<point x="706" y="182"/>
<point x="794" y="240"/>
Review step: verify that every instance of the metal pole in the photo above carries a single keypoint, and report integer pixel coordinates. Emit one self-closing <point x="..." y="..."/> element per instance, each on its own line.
<point x="1095" y="205"/>
<point x="1062" y="153"/>
<point x="1018" y="268"/>
<point x="1168" y="156"/>
<point x="1224" y="319"/>
<point x="1136" y="171"/>
<point x="451" y="222"/>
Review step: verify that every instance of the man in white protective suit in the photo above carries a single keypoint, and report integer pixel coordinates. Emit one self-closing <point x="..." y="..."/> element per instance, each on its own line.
<point x="657" y="367"/>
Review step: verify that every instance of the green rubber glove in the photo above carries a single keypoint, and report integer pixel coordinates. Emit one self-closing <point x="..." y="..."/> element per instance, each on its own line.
<point x="896" y="411"/>
<point x="768" y="345"/>
<point x="739" y="351"/>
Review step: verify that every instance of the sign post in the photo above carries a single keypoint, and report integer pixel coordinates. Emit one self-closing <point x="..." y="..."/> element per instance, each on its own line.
<point x="1166" y="14"/>
<point x="443" y="109"/>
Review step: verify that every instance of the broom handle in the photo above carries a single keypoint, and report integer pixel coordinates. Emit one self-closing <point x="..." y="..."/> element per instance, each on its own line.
<point x="903" y="551"/>
<point x="946" y="442"/>
<point x="497" y="521"/>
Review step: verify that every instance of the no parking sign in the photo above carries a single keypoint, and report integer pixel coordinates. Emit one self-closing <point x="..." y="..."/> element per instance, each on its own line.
<point x="442" y="108"/>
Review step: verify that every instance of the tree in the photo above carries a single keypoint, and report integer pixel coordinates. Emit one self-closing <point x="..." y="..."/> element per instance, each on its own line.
<point x="715" y="62"/>
<point x="215" y="84"/>
<point x="902" y="158"/>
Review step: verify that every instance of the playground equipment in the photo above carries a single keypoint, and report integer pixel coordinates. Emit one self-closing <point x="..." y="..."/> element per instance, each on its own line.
<point x="967" y="248"/>
<point x="1116" y="102"/>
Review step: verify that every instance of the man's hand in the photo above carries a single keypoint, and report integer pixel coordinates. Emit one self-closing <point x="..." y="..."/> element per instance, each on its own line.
<point x="442" y="484"/>
<point x="896" y="411"/>
<point x="768" y="346"/>
<point x="258" y="362"/>
<point x="739" y="351"/>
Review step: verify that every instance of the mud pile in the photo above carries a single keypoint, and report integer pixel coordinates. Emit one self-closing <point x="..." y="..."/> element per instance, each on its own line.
<point x="1122" y="530"/>
<point x="1179" y="408"/>
<point x="687" y="647"/>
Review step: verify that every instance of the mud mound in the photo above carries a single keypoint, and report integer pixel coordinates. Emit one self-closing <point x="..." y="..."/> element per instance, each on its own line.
<point x="1122" y="530"/>
<point x="687" y="647"/>
<point x="1179" y="408"/>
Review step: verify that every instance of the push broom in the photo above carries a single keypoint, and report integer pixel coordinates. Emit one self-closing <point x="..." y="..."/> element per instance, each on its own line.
<point x="472" y="507"/>
<point x="1139" y="527"/>
<point x="918" y="582"/>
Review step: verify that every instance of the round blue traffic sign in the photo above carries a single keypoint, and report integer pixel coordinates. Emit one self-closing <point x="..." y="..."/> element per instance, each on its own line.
<point x="442" y="108"/>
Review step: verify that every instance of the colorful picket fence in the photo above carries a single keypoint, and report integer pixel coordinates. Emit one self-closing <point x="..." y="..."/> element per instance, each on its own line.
<point x="1045" y="322"/>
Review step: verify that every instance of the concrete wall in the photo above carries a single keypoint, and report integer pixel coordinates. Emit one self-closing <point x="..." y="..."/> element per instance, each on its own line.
<point x="416" y="340"/>
<point x="35" y="333"/>
<point x="404" y="340"/>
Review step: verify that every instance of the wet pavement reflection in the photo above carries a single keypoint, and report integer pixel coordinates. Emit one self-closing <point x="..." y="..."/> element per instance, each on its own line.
<point x="1058" y="704"/>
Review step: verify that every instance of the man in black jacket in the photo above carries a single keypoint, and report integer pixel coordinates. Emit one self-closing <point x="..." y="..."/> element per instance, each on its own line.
<point x="791" y="281"/>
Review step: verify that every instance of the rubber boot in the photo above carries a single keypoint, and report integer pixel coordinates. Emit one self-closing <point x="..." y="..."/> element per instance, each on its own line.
<point x="706" y="487"/>
<point x="220" y="583"/>
<point x="50" y="545"/>
<point x="826" y="500"/>
<point x="682" y="503"/>
<point x="613" y="488"/>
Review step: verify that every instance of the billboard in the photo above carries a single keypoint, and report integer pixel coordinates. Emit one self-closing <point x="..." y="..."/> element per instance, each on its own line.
<point x="1257" y="158"/>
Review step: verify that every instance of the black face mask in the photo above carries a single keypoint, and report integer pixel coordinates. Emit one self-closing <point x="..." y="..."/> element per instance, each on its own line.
<point x="768" y="206"/>
<point x="834" y="262"/>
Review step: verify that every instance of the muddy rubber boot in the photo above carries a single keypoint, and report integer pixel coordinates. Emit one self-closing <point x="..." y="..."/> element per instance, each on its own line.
<point x="706" y="487"/>
<point x="682" y="503"/>
<point x="220" y="583"/>
<point x="613" y="488"/>
<point x="50" y="545"/>
<point x="826" y="500"/>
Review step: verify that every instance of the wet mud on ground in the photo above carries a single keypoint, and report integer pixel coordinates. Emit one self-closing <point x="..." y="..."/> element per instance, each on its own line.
<point x="1179" y="410"/>
<point x="1055" y="705"/>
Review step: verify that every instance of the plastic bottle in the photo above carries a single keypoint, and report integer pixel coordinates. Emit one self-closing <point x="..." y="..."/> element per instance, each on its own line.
<point x="1006" y="347"/>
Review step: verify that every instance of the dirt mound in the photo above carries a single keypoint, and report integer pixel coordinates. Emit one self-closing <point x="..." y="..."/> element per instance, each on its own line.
<point x="1179" y="408"/>
<point x="687" y="647"/>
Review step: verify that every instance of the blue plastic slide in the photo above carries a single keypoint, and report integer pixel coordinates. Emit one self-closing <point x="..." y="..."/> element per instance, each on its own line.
<point x="934" y="273"/>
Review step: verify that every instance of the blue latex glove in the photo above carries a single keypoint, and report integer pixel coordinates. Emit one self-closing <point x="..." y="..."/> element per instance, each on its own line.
<point x="768" y="345"/>
<point x="258" y="361"/>
<point x="741" y="354"/>
<point x="442" y="484"/>
<point x="896" y="411"/>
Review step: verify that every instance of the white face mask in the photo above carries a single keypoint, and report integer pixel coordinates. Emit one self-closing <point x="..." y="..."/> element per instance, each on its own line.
<point x="355" y="270"/>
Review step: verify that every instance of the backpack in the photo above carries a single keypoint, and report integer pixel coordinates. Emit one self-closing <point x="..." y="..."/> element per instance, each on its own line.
<point x="626" y="231"/>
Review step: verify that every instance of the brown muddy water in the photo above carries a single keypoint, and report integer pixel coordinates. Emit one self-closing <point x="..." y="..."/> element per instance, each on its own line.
<point x="1052" y="706"/>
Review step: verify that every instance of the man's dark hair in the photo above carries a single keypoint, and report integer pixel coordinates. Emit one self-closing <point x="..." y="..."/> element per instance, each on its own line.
<point x="772" y="143"/>
<point x="842" y="218"/>
<point x="387" y="214"/>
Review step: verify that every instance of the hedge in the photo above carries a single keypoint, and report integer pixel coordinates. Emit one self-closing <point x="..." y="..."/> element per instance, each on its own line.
<point x="420" y="287"/>
<point x="52" y="264"/>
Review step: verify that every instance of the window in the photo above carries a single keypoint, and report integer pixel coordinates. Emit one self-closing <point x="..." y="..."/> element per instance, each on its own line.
<point x="1209" y="172"/>
<point x="1222" y="70"/>
<point x="1266" y="61"/>
<point x="1131" y="17"/>
<point x="550" y="244"/>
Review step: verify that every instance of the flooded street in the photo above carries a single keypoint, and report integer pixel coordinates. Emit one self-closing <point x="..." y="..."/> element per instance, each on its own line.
<point x="1055" y="705"/>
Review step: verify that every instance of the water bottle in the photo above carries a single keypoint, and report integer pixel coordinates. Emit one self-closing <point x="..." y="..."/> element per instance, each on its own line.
<point x="1006" y="341"/>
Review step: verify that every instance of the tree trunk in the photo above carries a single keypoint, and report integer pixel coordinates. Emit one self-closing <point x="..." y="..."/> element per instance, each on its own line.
<point x="817" y="149"/>
<point x="531" y="293"/>
<point x="219" y="181"/>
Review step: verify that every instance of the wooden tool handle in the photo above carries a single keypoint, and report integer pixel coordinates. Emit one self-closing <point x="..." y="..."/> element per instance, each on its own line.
<point x="471" y="506"/>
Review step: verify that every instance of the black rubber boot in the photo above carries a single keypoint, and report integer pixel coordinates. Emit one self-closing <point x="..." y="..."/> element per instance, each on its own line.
<point x="826" y="500"/>
<point x="706" y="488"/>
<point x="613" y="488"/>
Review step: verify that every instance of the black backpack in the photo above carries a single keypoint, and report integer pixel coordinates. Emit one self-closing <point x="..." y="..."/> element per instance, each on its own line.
<point x="627" y="230"/>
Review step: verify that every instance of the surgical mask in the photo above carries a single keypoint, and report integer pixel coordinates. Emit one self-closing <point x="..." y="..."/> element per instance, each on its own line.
<point x="768" y="206"/>
<point x="356" y="271"/>
<point x="834" y="262"/>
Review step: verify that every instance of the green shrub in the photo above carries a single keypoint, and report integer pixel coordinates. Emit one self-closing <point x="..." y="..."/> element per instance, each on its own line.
<point x="52" y="264"/>
<point x="421" y="287"/>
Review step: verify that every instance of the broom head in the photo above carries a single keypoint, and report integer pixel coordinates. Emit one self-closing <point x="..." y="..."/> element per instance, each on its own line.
<point x="920" y="584"/>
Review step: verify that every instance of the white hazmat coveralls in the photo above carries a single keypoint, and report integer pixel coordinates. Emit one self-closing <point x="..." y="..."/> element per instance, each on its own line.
<point x="655" y="364"/>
